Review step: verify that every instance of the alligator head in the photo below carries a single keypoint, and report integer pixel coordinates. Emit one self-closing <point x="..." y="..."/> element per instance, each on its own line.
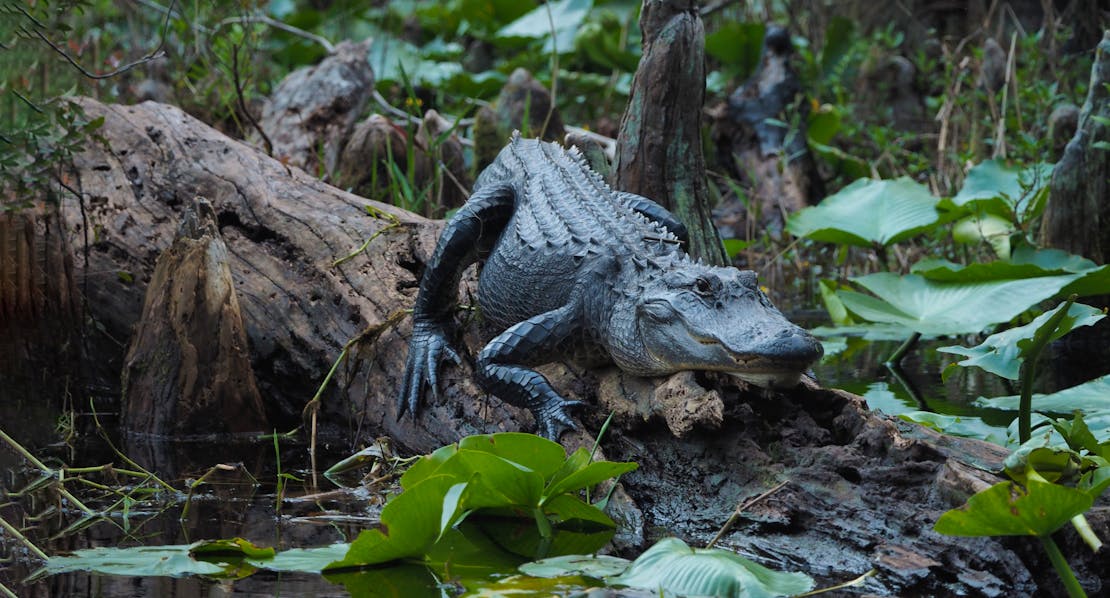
<point x="697" y="317"/>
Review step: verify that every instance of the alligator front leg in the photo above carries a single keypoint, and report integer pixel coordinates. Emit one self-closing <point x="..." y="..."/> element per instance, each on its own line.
<point x="474" y="230"/>
<point x="502" y="371"/>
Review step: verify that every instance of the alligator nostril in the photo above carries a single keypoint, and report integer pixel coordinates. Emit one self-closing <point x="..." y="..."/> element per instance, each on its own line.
<point x="800" y="347"/>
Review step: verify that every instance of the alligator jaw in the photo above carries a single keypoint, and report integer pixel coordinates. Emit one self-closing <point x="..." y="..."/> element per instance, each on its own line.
<point x="772" y="379"/>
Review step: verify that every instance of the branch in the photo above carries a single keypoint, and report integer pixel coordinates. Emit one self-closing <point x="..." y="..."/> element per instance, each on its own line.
<point x="243" y="102"/>
<point x="276" y="24"/>
<point x="154" y="54"/>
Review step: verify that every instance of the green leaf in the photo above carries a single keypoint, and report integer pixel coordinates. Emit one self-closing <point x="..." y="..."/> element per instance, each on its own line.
<point x="932" y="307"/>
<point x="839" y="38"/>
<point x="534" y="452"/>
<point x="1007" y="509"/>
<point x="588" y="476"/>
<point x="565" y="508"/>
<point x="1093" y="395"/>
<point x="992" y="228"/>
<point x="145" y="561"/>
<point x="845" y="164"/>
<point x="737" y="46"/>
<point x="514" y="483"/>
<point x="596" y="565"/>
<point x="823" y="125"/>
<point x="566" y="15"/>
<point x="311" y="560"/>
<point x="996" y="188"/>
<point x="412" y="522"/>
<point x="967" y="426"/>
<point x="1003" y="353"/>
<point x="869" y="212"/>
<point x="427" y="465"/>
<point x="236" y="547"/>
<point x="837" y="312"/>
<point x="672" y="567"/>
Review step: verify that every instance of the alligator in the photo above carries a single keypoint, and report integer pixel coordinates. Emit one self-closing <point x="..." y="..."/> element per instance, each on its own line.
<point x="576" y="271"/>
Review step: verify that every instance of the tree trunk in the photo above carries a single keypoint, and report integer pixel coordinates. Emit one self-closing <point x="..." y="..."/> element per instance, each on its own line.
<point x="659" y="153"/>
<point x="862" y="490"/>
<point x="1077" y="218"/>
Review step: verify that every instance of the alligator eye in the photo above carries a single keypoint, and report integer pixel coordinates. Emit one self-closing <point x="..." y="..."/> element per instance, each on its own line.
<point x="703" y="286"/>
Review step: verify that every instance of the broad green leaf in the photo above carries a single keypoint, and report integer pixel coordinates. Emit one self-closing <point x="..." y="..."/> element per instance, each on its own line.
<point x="992" y="228"/>
<point x="824" y="123"/>
<point x="737" y="46"/>
<point x="1003" y="353"/>
<point x="996" y="188"/>
<point x="427" y="465"/>
<point x="412" y="522"/>
<point x="1079" y="437"/>
<point x="567" y="508"/>
<point x="513" y="482"/>
<point x="932" y="307"/>
<point x="1093" y="395"/>
<point x="234" y="547"/>
<point x="588" y="565"/>
<point x="868" y="331"/>
<point x="588" y="476"/>
<point x="1026" y="262"/>
<point x="837" y="312"/>
<point x="847" y="165"/>
<point x="672" y="567"/>
<point x="566" y="16"/>
<point x="869" y="212"/>
<point x="967" y="426"/>
<point x="534" y="452"/>
<point x="468" y="549"/>
<point x="389" y="57"/>
<point x="1095" y="482"/>
<point x="1007" y="509"/>
<point x="312" y="560"/>
<point x="144" y="561"/>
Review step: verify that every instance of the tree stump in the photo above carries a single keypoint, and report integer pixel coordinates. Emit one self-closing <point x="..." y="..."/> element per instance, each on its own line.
<point x="188" y="369"/>
<point x="1077" y="218"/>
<point x="659" y="153"/>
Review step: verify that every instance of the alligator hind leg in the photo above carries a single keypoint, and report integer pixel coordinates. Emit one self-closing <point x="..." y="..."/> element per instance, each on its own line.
<point x="502" y="367"/>
<point x="474" y="230"/>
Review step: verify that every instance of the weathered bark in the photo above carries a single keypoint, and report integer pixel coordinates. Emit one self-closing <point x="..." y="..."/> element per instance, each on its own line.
<point x="39" y="308"/>
<point x="863" y="490"/>
<point x="659" y="153"/>
<point x="311" y="112"/>
<point x="1077" y="218"/>
<point x="188" y="369"/>
<point x="771" y="162"/>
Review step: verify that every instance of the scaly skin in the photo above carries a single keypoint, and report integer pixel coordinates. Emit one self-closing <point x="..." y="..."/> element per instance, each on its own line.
<point x="576" y="270"/>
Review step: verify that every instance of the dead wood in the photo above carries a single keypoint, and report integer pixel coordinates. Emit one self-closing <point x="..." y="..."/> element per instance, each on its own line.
<point x="188" y="369"/>
<point x="760" y="137"/>
<point x="659" y="153"/>
<point x="863" y="490"/>
<point x="312" y="110"/>
<point x="1077" y="217"/>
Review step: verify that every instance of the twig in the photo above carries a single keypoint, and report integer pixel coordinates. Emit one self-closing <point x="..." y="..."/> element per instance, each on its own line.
<point x="554" y="71"/>
<point x="243" y="103"/>
<point x="840" y="586"/>
<point x="276" y="24"/>
<point x="312" y="408"/>
<point x="11" y="529"/>
<point x="1000" y="131"/>
<point x="43" y="468"/>
<point x="740" y="508"/>
<point x="712" y="8"/>
<point x="154" y="54"/>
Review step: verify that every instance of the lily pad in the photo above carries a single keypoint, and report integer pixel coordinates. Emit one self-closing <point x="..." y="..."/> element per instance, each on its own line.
<point x="869" y="212"/>
<point x="587" y="565"/>
<point x="673" y="568"/>
<point x="934" y="307"/>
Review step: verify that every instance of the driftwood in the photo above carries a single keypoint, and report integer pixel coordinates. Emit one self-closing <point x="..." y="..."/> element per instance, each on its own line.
<point x="862" y="490"/>
<point x="659" y="153"/>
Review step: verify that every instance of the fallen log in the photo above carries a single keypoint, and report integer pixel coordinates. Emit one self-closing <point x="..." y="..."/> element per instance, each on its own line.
<point x="861" y="492"/>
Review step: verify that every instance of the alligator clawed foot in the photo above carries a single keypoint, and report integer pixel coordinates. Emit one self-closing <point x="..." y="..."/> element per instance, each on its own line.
<point x="553" y="418"/>
<point x="427" y="350"/>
